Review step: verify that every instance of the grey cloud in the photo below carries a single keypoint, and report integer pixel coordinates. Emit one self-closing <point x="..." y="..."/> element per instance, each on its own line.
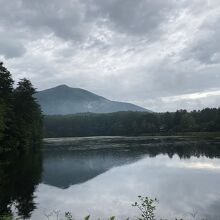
<point x="171" y="77"/>
<point x="74" y="19"/>
<point x="142" y="17"/>
<point x="206" y="47"/>
<point x="125" y="50"/>
<point x="163" y="77"/>
<point x="65" y="19"/>
<point x="11" y="48"/>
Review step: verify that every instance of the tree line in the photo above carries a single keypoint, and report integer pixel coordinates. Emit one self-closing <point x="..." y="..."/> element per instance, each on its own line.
<point x="20" y="115"/>
<point x="131" y="123"/>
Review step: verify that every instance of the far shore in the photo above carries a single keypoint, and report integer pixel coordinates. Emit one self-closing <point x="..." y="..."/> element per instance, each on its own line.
<point x="182" y="135"/>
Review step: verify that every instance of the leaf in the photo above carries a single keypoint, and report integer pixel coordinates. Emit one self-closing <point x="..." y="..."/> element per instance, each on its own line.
<point x="87" y="217"/>
<point x="112" y="218"/>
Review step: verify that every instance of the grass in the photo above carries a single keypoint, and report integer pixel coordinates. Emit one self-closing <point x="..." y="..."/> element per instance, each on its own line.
<point x="145" y="205"/>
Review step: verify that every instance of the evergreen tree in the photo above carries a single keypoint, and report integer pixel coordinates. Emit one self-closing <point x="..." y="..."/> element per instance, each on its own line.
<point x="27" y="113"/>
<point x="2" y="122"/>
<point x="6" y="84"/>
<point x="6" y="105"/>
<point x="20" y="115"/>
<point x="188" y="122"/>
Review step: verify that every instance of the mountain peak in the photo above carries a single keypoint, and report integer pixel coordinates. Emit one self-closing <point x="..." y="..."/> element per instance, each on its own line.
<point x="63" y="100"/>
<point x="62" y="86"/>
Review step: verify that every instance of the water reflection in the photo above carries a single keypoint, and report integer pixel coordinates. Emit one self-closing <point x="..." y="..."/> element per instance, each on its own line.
<point x="103" y="176"/>
<point x="180" y="187"/>
<point x="19" y="176"/>
<point x="78" y="160"/>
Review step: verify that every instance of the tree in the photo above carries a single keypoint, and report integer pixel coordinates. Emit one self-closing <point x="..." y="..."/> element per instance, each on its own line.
<point x="27" y="113"/>
<point x="167" y="121"/>
<point x="6" y="84"/>
<point x="6" y="104"/>
<point x="188" y="122"/>
<point x="2" y="122"/>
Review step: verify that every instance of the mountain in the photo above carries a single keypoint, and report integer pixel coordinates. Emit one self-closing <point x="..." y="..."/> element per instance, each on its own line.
<point x="62" y="100"/>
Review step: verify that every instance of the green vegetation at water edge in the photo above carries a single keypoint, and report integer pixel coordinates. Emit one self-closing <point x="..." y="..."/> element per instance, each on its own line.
<point x="146" y="207"/>
<point x="181" y="122"/>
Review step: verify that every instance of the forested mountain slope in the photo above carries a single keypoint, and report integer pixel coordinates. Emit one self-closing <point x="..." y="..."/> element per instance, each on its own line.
<point x="62" y="100"/>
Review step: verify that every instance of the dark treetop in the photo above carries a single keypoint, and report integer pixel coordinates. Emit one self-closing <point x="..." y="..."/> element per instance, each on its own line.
<point x="20" y="115"/>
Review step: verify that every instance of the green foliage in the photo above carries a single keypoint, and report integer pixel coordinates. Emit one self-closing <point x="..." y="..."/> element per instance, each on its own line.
<point x="132" y="123"/>
<point x="146" y="207"/>
<point x="6" y="104"/>
<point x="27" y="113"/>
<point x="2" y="121"/>
<point x="6" y="217"/>
<point x="88" y="216"/>
<point x="68" y="216"/>
<point x="20" y="115"/>
<point x="188" y="122"/>
<point x="6" y="84"/>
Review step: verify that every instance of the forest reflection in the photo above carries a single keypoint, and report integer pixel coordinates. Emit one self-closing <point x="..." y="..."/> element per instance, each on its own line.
<point x="20" y="174"/>
<point x="67" y="164"/>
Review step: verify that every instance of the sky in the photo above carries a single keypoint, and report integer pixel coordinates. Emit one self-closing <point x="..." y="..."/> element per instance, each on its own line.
<point x="162" y="54"/>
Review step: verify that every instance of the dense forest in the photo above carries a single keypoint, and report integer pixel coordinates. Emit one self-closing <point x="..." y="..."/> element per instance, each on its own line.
<point x="21" y="119"/>
<point x="20" y="115"/>
<point x="132" y="123"/>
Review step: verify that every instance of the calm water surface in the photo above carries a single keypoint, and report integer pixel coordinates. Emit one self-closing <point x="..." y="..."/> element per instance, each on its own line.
<point x="103" y="176"/>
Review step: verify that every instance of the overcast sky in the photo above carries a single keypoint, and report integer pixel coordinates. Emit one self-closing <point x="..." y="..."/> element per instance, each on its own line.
<point x="160" y="54"/>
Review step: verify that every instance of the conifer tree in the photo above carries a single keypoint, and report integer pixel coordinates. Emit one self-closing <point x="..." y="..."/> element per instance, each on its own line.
<point x="6" y="104"/>
<point x="27" y="113"/>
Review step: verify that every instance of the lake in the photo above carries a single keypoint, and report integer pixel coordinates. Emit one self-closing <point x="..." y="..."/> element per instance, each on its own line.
<point x="102" y="176"/>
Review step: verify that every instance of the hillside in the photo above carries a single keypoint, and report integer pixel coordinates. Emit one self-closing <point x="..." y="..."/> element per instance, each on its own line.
<point x="62" y="100"/>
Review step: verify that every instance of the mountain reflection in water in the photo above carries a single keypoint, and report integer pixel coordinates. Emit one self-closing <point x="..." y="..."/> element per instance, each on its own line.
<point x="77" y="160"/>
<point x="102" y="176"/>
